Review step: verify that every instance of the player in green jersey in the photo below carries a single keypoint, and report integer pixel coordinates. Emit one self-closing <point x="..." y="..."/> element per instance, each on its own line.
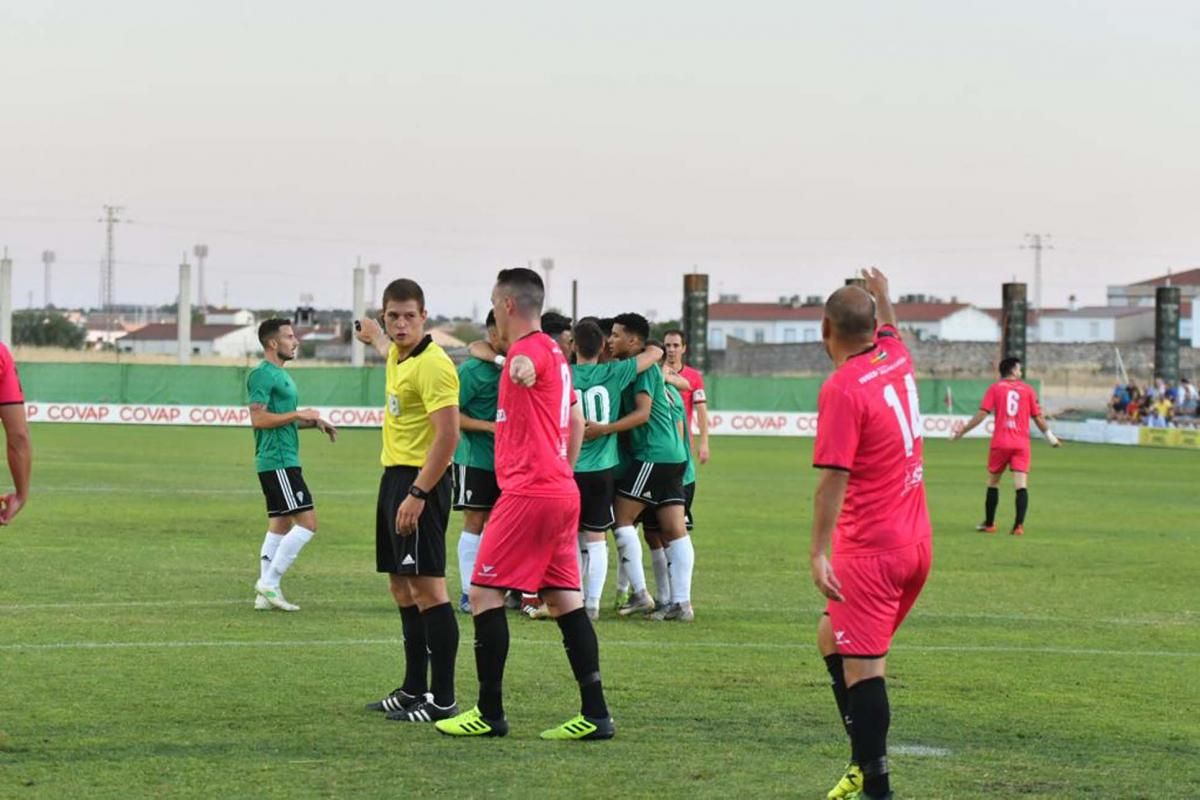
<point x="475" y="487"/>
<point x="598" y="388"/>
<point x="669" y="605"/>
<point x="291" y="514"/>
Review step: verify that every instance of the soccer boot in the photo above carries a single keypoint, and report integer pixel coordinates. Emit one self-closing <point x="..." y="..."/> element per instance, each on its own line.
<point x="424" y="711"/>
<point x="638" y="603"/>
<point x="985" y="527"/>
<point x="1018" y="530"/>
<point x="398" y="700"/>
<point x="849" y="786"/>
<point x="581" y="728"/>
<point x="472" y="723"/>
<point x="621" y="599"/>
<point x="534" y="608"/>
<point x="261" y="603"/>
<point x="275" y="597"/>
<point x="674" y="611"/>
<point x="464" y="603"/>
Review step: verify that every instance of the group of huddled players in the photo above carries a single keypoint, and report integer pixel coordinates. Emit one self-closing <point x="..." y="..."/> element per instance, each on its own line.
<point x="557" y="433"/>
<point x="636" y="463"/>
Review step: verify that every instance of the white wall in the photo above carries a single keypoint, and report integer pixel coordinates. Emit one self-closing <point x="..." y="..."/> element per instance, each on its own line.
<point x="969" y="325"/>
<point x="1136" y="328"/>
<point x="161" y="347"/>
<point x="1076" y="329"/>
<point x="238" y="344"/>
<point x="772" y="331"/>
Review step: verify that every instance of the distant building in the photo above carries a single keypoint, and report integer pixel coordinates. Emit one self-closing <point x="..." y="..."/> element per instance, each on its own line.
<point x="214" y="315"/>
<point x="1109" y="324"/>
<point x="795" y="321"/>
<point x="1142" y="294"/>
<point x="230" y="341"/>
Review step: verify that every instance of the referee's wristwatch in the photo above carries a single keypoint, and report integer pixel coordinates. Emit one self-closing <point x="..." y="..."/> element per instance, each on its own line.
<point x="418" y="492"/>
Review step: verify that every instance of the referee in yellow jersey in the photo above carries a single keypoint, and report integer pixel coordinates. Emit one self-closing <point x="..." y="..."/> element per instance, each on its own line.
<point x="420" y="433"/>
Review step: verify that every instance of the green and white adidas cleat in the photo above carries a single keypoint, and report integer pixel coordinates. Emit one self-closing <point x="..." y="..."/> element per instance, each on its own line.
<point x="621" y="599"/>
<point x="581" y="728"/>
<point x="472" y="723"/>
<point x="274" y="596"/>
<point x="261" y="603"/>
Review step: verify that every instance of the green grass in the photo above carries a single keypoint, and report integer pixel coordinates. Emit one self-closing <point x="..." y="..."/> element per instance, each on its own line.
<point x="1063" y="664"/>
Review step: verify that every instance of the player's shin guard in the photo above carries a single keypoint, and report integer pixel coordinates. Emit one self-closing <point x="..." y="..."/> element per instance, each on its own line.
<point x="289" y="548"/>
<point x="681" y="559"/>
<point x="629" y="549"/>
<point x="1022" y="506"/>
<point x="468" y="548"/>
<point x="583" y="651"/>
<point x="871" y="717"/>
<point x="990" y="505"/>
<point x="837" y="676"/>
<point x="662" y="575"/>
<point x="416" y="652"/>
<point x="491" y="651"/>
<point x="597" y="571"/>
<point x="441" y="633"/>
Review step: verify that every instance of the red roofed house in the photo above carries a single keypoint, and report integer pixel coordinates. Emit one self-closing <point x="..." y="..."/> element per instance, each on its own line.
<point x="792" y="320"/>
<point x="235" y="341"/>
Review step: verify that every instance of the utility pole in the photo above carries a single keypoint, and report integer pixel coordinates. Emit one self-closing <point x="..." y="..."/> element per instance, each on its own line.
<point x="201" y="253"/>
<point x="183" y="316"/>
<point x="357" y="349"/>
<point x="47" y="260"/>
<point x="373" y="270"/>
<point x="547" y="265"/>
<point x="1037" y="242"/>
<point x="6" y="299"/>
<point x="112" y="217"/>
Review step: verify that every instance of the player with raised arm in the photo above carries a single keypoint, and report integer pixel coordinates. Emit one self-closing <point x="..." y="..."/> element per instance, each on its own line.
<point x="291" y="513"/>
<point x="19" y="446"/>
<point x="420" y="434"/>
<point x="475" y="487"/>
<point x="654" y="479"/>
<point x="598" y="389"/>
<point x="531" y="540"/>
<point x="870" y="507"/>
<point x="1014" y="403"/>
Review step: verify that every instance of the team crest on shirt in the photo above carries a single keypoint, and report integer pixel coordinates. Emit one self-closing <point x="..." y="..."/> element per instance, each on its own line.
<point x="879" y="357"/>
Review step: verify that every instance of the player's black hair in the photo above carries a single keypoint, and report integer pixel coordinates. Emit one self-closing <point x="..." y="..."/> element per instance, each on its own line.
<point x="605" y="324"/>
<point x="270" y="328"/>
<point x="633" y="323"/>
<point x="676" y="332"/>
<point x="403" y="289"/>
<point x="554" y="323"/>
<point x="525" y="287"/>
<point x="1008" y="365"/>
<point x="589" y="339"/>
<point x="490" y="322"/>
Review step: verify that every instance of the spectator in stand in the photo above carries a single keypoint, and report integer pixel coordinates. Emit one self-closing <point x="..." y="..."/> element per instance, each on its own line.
<point x="1118" y="403"/>
<point x="1187" y="400"/>
<point x="1160" y="411"/>
<point x="1133" y="411"/>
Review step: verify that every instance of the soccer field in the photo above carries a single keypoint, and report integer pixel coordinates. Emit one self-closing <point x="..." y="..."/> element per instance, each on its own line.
<point x="1062" y="664"/>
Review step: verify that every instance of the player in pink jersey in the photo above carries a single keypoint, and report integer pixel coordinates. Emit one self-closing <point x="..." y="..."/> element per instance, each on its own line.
<point x="16" y="431"/>
<point x="530" y="544"/>
<point x="695" y="402"/>
<point x="870" y="506"/>
<point x="1014" y="403"/>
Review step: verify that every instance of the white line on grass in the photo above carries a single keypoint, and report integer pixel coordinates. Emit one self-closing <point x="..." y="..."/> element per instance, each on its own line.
<point x="1187" y="619"/>
<point x="649" y="644"/>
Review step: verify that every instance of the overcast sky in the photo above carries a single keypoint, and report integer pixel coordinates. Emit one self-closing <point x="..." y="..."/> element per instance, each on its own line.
<point x="774" y="145"/>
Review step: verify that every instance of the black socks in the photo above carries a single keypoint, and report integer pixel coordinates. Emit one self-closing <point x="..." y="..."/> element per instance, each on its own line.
<point x="837" y="676"/>
<point x="583" y="651"/>
<point x="441" y="634"/>
<point x="872" y="716"/>
<point x="416" y="651"/>
<point x="491" y="651"/>
<point x="1022" y="506"/>
<point x="989" y="507"/>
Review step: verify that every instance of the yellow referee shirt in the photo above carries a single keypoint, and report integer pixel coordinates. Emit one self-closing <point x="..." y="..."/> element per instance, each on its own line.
<point x="417" y="386"/>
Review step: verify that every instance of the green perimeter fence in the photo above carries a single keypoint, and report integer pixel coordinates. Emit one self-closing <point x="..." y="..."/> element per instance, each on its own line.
<point x="349" y="386"/>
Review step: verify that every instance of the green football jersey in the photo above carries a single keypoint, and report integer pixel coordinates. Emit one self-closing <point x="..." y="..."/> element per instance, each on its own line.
<point x="478" y="394"/>
<point x="679" y="413"/>
<point x="598" y="389"/>
<point x="274" y="448"/>
<point x="656" y="442"/>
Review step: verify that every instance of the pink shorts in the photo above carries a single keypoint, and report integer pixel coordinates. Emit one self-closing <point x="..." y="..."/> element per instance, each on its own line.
<point x="530" y="544"/>
<point x="1016" y="459"/>
<point x="879" y="591"/>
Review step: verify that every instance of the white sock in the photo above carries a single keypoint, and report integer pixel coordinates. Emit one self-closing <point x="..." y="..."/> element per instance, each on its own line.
<point x="597" y="571"/>
<point x="629" y="549"/>
<point x="267" y="554"/>
<point x="662" y="576"/>
<point x="468" y="548"/>
<point x="682" y="560"/>
<point x="289" y="548"/>
<point x="582" y="553"/>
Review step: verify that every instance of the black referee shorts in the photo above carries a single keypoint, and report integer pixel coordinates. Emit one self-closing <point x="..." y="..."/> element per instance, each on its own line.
<point x="424" y="551"/>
